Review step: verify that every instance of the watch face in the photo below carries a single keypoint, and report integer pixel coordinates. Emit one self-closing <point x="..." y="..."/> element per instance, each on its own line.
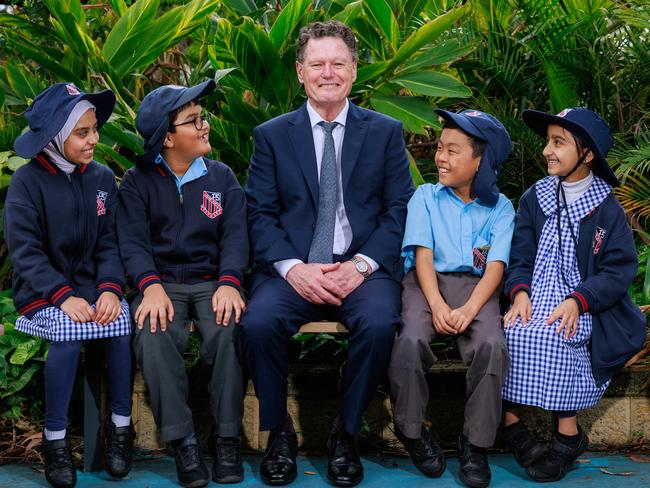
<point x="361" y="266"/>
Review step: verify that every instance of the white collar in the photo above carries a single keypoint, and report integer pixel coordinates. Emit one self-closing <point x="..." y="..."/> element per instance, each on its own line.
<point x="315" y="118"/>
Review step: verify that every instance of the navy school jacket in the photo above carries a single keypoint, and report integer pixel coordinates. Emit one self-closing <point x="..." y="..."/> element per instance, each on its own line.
<point x="60" y="231"/>
<point x="608" y="263"/>
<point x="189" y="237"/>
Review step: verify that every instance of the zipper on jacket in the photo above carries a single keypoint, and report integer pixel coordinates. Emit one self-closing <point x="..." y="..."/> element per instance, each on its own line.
<point x="180" y="229"/>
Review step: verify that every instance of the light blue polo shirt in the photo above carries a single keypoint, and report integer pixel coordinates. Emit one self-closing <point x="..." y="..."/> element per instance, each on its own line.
<point x="195" y="171"/>
<point x="464" y="237"/>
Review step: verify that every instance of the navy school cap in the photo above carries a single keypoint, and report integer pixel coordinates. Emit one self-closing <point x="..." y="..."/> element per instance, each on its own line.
<point x="50" y="110"/>
<point x="585" y="124"/>
<point x="153" y="121"/>
<point x="497" y="148"/>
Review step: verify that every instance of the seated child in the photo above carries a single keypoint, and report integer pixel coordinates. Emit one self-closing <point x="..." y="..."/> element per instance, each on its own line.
<point x="571" y="325"/>
<point x="59" y="225"/>
<point x="183" y="237"/>
<point x="456" y="246"/>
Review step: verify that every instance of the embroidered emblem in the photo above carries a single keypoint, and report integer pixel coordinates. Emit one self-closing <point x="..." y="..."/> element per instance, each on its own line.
<point x="211" y="206"/>
<point x="564" y="112"/>
<point x="101" y="202"/>
<point x="474" y="113"/>
<point x="599" y="235"/>
<point x="72" y="90"/>
<point x="480" y="256"/>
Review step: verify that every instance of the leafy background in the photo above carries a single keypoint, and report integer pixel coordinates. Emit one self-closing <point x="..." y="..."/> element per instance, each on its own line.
<point x="500" y="56"/>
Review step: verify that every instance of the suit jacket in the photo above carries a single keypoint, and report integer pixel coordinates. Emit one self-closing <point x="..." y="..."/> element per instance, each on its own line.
<point x="282" y="189"/>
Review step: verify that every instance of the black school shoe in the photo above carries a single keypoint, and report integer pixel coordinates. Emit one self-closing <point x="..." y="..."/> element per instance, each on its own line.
<point x="226" y="459"/>
<point x="190" y="468"/>
<point x="59" y="469"/>
<point x="344" y="467"/>
<point x="558" y="460"/>
<point x="474" y="467"/>
<point x="279" y="461"/>
<point x="425" y="453"/>
<point x="118" y="453"/>
<point x="523" y="444"/>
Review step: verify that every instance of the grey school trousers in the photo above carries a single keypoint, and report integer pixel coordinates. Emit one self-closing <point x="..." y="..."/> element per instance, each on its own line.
<point x="160" y="357"/>
<point x="482" y="346"/>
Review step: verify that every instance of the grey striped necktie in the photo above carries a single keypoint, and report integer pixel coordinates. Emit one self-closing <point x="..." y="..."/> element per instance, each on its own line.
<point x="322" y="243"/>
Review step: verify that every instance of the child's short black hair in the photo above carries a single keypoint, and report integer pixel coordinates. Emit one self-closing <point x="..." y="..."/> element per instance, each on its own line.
<point x="173" y="115"/>
<point x="478" y="145"/>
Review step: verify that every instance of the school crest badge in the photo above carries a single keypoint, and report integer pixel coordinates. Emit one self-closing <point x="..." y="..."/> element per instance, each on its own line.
<point x="101" y="202"/>
<point x="72" y="90"/>
<point x="599" y="236"/>
<point x="211" y="205"/>
<point x="480" y="256"/>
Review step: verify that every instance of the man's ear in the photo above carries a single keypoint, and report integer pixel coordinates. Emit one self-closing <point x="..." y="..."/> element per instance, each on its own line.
<point x="168" y="143"/>
<point x="299" y="71"/>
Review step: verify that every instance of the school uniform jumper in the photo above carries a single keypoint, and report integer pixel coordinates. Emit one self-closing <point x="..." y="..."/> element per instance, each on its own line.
<point x="60" y="232"/>
<point x="464" y="237"/>
<point x="547" y="370"/>
<point x="189" y="235"/>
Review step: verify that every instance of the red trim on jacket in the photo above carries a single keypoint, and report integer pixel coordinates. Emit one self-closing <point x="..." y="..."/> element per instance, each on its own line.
<point x="581" y="300"/>
<point x="161" y="171"/>
<point x="35" y="304"/>
<point x="147" y="279"/>
<point x="110" y="286"/>
<point x="62" y="291"/>
<point x="516" y="288"/>
<point x="46" y="164"/>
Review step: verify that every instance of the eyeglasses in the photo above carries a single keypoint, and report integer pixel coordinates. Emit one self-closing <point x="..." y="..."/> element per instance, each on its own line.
<point x="198" y="121"/>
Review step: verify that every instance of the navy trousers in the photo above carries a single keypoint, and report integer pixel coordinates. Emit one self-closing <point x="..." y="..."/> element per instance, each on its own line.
<point x="275" y="312"/>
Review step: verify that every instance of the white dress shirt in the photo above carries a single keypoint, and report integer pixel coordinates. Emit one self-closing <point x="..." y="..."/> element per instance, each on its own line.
<point x="342" y="229"/>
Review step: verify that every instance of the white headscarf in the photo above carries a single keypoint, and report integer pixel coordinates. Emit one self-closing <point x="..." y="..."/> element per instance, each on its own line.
<point x="54" y="149"/>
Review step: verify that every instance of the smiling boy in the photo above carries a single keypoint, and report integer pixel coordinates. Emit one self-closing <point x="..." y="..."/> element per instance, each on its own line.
<point x="183" y="239"/>
<point x="456" y="247"/>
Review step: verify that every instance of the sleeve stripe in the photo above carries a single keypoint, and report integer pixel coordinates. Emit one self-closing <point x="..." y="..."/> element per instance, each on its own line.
<point x="32" y="306"/>
<point x="519" y="287"/>
<point x="147" y="279"/>
<point x="112" y="286"/>
<point x="61" y="292"/>
<point x="582" y="300"/>
<point x="231" y="279"/>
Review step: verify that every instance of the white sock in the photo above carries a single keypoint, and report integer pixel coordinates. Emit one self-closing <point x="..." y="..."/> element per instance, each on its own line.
<point x="120" y="420"/>
<point x="54" y="435"/>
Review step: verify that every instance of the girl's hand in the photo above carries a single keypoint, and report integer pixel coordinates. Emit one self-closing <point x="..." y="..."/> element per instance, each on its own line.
<point x="107" y="308"/>
<point x="569" y="313"/>
<point x="78" y="309"/>
<point x="521" y="307"/>
<point x="225" y="301"/>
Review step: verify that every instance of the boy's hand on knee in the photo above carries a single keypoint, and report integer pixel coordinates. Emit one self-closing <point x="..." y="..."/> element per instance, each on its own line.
<point x="107" y="308"/>
<point x="463" y="316"/>
<point x="157" y="306"/>
<point x="225" y="301"/>
<point x="569" y="313"/>
<point x="521" y="307"/>
<point x="78" y="309"/>
<point x="441" y="320"/>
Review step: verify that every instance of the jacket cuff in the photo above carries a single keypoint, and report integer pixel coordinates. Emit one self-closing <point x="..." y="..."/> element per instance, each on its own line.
<point x="112" y="286"/>
<point x="583" y="306"/>
<point x="60" y="295"/>
<point x="519" y="287"/>
<point x="229" y="278"/>
<point x="147" y="280"/>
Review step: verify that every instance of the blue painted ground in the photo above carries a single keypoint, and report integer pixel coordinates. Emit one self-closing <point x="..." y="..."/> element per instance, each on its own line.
<point x="380" y="472"/>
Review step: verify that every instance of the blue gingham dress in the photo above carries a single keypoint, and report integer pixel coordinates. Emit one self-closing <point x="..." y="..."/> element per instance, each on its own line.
<point x="54" y="324"/>
<point x="546" y="370"/>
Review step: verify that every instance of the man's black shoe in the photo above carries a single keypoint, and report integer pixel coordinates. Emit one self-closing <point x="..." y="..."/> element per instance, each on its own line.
<point x="226" y="459"/>
<point x="474" y="467"/>
<point x="344" y="467"/>
<point x="523" y="445"/>
<point x="59" y="469"/>
<point x="279" y="461"/>
<point x="190" y="468"/>
<point x="558" y="460"/>
<point x="425" y="453"/>
<point x="118" y="454"/>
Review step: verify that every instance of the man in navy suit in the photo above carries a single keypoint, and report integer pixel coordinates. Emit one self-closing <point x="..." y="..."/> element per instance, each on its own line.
<point x="327" y="192"/>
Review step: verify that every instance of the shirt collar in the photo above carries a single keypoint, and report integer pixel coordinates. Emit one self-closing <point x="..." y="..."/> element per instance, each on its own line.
<point x="315" y="118"/>
<point x="196" y="169"/>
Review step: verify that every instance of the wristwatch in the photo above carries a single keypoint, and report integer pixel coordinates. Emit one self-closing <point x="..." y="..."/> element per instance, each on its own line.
<point x="361" y="266"/>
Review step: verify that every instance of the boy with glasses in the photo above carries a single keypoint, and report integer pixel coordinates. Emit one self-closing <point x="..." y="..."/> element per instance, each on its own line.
<point x="184" y="243"/>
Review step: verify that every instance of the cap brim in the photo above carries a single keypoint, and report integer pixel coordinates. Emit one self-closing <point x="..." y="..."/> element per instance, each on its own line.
<point x="194" y="93"/>
<point x="539" y="121"/>
<point x="30" y="143"/>
<point x="155" y="145"/>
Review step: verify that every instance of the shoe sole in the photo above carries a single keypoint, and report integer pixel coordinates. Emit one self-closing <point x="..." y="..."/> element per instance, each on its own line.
<point x="473" y="483"/>
<point x="231" y="478"/>
<point x="279" y="483"/>
<point x="195" y="484"/>
<point x="344" y="483"/>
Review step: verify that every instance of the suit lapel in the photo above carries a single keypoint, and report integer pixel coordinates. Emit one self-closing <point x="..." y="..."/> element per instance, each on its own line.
<point x="302" y="139"/>
<point x="355" y="133"/>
